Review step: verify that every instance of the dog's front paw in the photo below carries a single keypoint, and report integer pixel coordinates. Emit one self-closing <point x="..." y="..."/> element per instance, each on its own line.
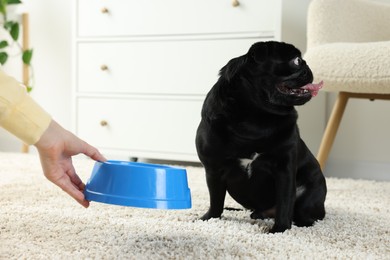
<point x="210" y="215"/>
<point x="279" y="228"/>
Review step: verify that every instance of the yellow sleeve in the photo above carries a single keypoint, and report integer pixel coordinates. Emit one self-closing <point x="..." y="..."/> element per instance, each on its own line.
<point x="19" y="113"/>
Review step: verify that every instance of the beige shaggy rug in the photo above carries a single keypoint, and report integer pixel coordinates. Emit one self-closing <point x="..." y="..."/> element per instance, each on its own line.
<point x="39" y="221"/>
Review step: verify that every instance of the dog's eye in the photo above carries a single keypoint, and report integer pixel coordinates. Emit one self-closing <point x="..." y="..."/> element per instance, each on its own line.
<point x="297" y="61"/>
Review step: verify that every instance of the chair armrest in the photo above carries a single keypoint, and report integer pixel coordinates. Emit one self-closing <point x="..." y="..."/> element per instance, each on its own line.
<point x="347" y="21"/>
<point x="352" y="67"/>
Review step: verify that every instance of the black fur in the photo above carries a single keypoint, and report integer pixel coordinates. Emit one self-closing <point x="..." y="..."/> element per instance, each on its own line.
<point x="249" y="113"/>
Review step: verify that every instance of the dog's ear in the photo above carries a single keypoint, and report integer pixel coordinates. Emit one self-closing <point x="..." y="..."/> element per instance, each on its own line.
<point x="232" y="67"/>
<point x="259" y="51"/>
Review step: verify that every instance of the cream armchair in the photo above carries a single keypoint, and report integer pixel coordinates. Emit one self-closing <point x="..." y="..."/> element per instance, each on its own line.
<point x="349" y="48"/>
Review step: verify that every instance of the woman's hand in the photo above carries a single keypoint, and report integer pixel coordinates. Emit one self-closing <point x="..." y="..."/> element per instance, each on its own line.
<point x="56" y="148"/>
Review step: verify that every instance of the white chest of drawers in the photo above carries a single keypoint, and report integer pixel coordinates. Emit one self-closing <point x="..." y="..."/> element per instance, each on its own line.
<point x="142" y="68"/>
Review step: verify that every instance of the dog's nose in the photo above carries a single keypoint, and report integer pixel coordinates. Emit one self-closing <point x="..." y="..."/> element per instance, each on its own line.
<point x="307" y="74"/>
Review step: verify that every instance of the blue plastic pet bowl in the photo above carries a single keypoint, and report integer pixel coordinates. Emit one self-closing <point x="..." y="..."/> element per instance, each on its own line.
<point x="141" y="185"/>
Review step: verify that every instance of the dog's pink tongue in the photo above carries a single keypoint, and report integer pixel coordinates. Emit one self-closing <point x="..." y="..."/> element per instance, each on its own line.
<point x="314" y="88"/>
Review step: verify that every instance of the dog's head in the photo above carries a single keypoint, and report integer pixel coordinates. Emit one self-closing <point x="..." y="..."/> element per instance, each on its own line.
<point x="274" y="72"/>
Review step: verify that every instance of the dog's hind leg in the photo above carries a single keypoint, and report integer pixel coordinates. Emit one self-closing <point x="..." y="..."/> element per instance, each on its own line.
<point x="311" y="190"/>
<point x="305" y="216"/>
<point x="309" y="206"/>
<point x="269" y="213"/>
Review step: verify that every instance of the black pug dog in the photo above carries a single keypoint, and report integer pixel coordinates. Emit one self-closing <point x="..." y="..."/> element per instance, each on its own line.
<point x="249" y="143"/>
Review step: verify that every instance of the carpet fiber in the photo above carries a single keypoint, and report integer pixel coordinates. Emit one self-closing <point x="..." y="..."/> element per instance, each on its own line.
<point x="39" y="221"/>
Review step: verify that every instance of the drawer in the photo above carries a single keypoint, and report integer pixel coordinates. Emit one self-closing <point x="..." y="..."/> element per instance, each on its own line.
<point x="159" y="67"/>
<point x="173" y="17"/>
<point x="144" y="125"/>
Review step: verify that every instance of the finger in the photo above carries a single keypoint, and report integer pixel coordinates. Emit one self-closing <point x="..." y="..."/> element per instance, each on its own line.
<point x="75" y="179"/>
<point x="93" y="153"/>
<point x="78" y="196"/>
<point x="66" y="185"/>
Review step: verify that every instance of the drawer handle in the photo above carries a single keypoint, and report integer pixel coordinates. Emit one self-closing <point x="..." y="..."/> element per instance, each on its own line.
<point x="104" y="10"/>
<point x="103" y="123"/>
<point x="104" y="67"/>
<point x="235" y="3"/>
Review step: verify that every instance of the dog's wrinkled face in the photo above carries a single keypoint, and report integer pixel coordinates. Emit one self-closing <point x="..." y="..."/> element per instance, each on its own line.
<point x="289" y="77"/>
<point x="278" y="72"/>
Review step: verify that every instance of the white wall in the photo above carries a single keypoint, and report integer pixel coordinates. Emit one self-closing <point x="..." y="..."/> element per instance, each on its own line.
<point x="50" y="31"/>
<point x="311" y="119"/>
<point x="50" y="24"/>
<point x="359" y="146"/>
<point x="362" y="145"/>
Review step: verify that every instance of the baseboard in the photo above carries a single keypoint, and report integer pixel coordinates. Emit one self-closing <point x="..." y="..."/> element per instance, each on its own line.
<point x="358" y="170"/>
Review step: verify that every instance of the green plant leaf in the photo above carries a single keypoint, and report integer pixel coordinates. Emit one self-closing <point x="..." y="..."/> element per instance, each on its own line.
<point x="13" y="2"/>
<point x="29" y="88"/>
<point x="3" y="44"/>
<point x="13" y="28"/>
<point x="15" y="31"/>
<point x="7" y="25"/>
<point x="27" y="55"/>
<point x="3" y="7"/>
<point x="3" y="57"/>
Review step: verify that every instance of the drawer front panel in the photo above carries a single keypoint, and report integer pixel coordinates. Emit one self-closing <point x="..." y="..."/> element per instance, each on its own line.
<point x="158" y="67"/>
<point x="158" y="125"/>
<point x="172" y="17"/>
